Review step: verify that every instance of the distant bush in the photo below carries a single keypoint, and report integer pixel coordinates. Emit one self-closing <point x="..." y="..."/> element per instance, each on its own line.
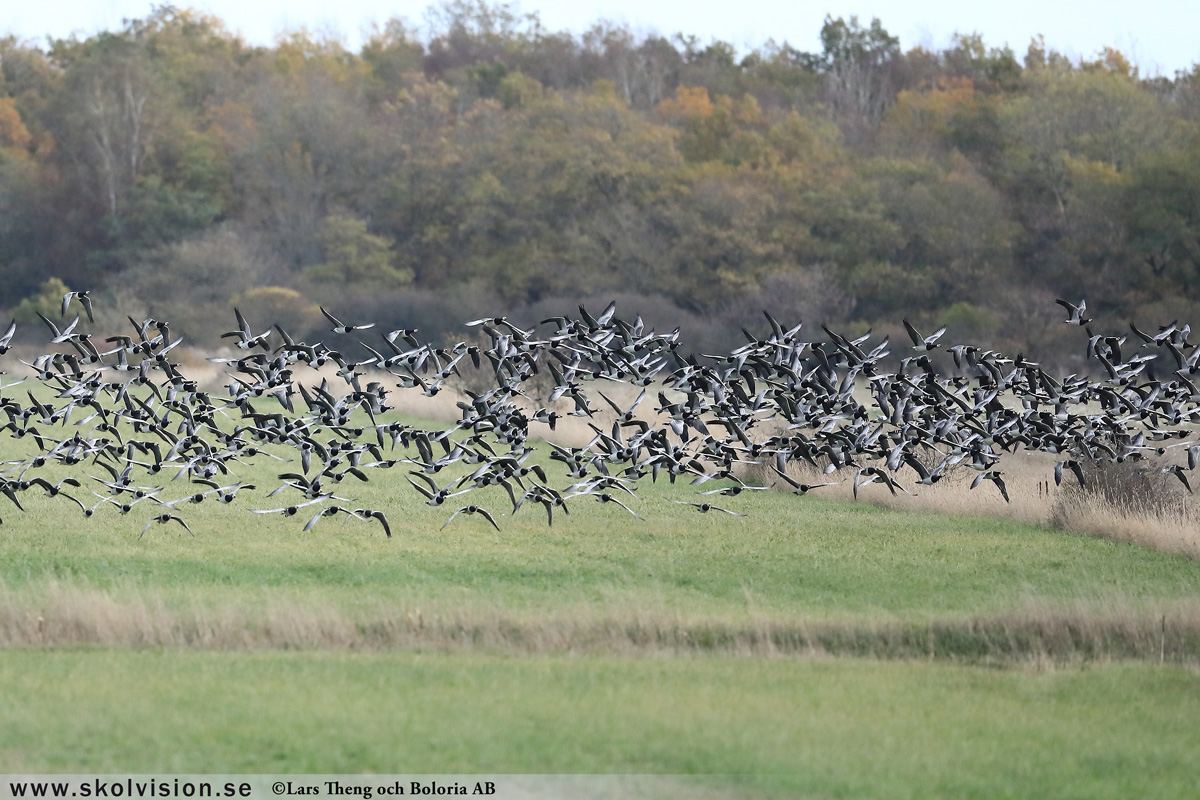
<point x="266" y="305"/>
<point x="354" y="256"/>
<point x="47" y="301"/>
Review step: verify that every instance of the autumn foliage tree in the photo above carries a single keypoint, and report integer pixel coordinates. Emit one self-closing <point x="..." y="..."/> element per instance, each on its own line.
<point x="488" y="161"/>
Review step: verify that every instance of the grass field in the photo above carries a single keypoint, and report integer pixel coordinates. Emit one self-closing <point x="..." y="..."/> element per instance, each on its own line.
<point x="1002" y="659"/>
<point x="824" y="728"/>
<point x="794" y="561"/>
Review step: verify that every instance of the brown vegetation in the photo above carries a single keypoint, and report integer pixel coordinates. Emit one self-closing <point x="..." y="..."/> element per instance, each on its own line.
<point x="71" y="616"/>
<point x="1123" y="504"/>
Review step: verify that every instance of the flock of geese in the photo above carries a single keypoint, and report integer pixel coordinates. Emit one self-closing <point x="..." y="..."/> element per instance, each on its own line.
<point x="778" y="399"/>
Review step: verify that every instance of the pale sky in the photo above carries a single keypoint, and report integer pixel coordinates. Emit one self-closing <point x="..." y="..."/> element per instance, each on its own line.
<point x="1159" y="36"/>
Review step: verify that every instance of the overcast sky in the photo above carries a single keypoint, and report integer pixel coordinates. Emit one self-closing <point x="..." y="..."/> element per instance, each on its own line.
<point x="1159" y="36"/>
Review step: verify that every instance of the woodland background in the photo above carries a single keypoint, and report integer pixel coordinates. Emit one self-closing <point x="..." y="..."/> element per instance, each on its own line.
<point x="491" y="166"/>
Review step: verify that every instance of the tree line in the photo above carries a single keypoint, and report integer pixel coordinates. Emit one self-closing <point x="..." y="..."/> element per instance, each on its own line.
<point x="489" y="163"/>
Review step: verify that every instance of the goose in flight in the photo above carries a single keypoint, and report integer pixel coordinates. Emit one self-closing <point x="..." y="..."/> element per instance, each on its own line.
<point x="341" y="327"/>
<point x="1076" y="312"/>
<point x="84" y="299"/>
<point x="1070" y="464"/>
<point x="605" y="497"/>
<point x="923" y="344"/>
<point x="370" y="513"/>
<point x="163" y="519"/>
<point x="246" y="338"/>
<point x="704" y="508"/>
<point x="6" y="339"/>
<point x="291" y="511"/>
<point x="992" y="475"/>
<point x="329" y="512"/>
<point x="472" y="510"/>
<point x="801" y="488"/>
<point x="734" y="491"/>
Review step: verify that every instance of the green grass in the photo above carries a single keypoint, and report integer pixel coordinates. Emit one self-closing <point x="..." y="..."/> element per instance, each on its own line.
<point x="841" y="728"/>
<point x="823" y="560"/>
<point x="791" y="556"/>
<point x="598" y="579"/>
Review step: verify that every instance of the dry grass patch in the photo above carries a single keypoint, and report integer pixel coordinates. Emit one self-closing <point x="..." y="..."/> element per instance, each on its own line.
<point x="64" y="615"/>
<point x="1123" y="502"/>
